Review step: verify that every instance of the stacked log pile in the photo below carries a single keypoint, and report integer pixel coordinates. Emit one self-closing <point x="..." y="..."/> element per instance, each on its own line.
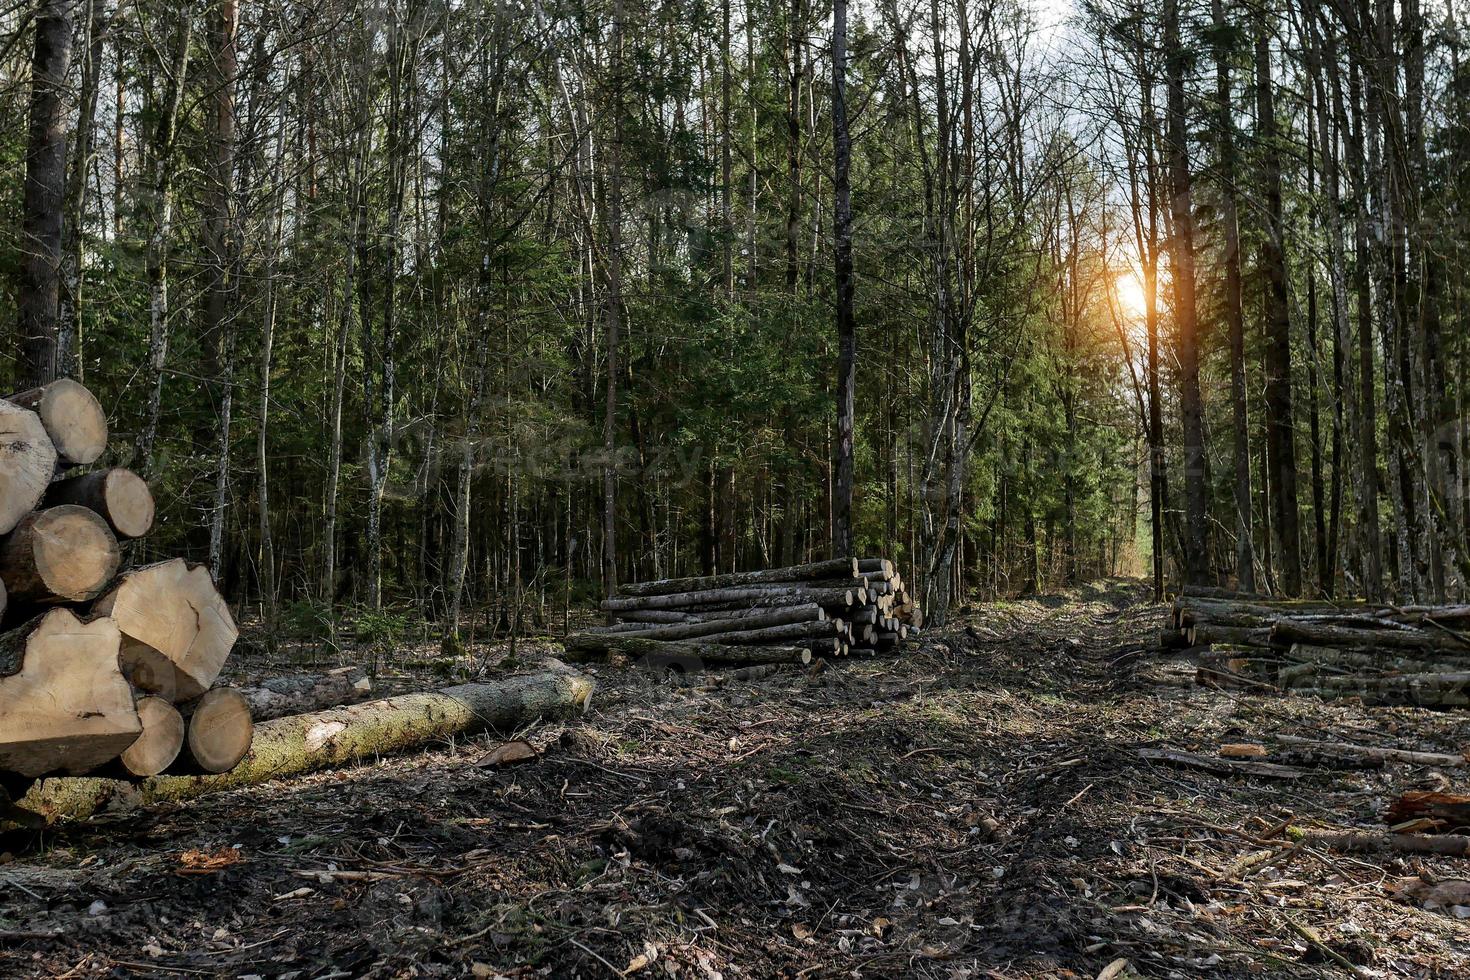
<point x="1416" y="655"/>
<point x="843" y="607"/>
<point x="100" y="672"/>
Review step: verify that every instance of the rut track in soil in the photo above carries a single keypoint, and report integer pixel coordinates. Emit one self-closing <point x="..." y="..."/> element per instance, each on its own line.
<point x="975" y="808"/>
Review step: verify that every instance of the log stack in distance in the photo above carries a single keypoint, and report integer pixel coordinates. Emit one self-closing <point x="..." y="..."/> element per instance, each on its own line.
<point x="100" y="673"/>
<point x="1388" y="655"/>
<point x="765" y="616"/>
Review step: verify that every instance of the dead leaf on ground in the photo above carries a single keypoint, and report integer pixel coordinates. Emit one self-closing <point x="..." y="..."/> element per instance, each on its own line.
<point x="1114" y="969"/>
<point x="1243" y="750"/>
<point x="801" y="930"/>
<point x="642" y="960"/>
<point x="508" y="754"/>
<point x="208" y="862"/>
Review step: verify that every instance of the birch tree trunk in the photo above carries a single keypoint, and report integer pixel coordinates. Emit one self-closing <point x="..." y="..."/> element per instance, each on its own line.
<point x="160" y="233"/>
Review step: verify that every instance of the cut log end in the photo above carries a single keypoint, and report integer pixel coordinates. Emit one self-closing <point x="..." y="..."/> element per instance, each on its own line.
<point x="120" y="496"/>
<point x="220" y="729"/>
<point x="61" y="554"/>
<point x="161" y="741"/>
<point x="73" y="419"/>
<point x="177" y="630"/>
<point x="27" y="462"/>
<point x="67" y="707"/>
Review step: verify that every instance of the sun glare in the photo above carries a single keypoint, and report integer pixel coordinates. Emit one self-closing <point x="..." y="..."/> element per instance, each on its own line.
<point x="1129" y="290"/>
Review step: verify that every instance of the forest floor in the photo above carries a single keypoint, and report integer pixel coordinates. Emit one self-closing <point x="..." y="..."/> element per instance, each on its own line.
<point x="975" y="808"/>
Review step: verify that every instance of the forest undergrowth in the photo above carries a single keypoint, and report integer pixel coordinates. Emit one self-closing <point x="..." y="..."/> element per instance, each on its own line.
<point x="975" y="808"/>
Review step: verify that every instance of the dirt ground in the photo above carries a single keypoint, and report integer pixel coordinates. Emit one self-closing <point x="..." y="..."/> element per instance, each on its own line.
<point x="973" y="808"/>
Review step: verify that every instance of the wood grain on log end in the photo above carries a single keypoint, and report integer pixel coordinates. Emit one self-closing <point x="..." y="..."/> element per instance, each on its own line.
<point x="61" y="554"/>
<point x="27" y="462"/>
<point x="73" y="419"/>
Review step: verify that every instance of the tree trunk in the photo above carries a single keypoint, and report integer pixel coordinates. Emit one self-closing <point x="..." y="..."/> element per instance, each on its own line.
<point x="842" y="530"/>
<point x="177" y="630"/>
<point x="159" y="242"/>
<point x="1280" y="432"/>
<point x="689" y="656"/>
<point x="45" y="191"/>
<point x="844" y="568"/>
<point x="1181" y="242"/>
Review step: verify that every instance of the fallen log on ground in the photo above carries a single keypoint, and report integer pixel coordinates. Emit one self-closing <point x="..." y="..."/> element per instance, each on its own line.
<point x="299" y="694"/>
<point x="1370" y="658"/>
<point x="301" y="743"/>
<point x="1287" y="632"/>
<point x="813" y="630"/>
<point x="1243" y="767"/>
<point x="1368" y="842"/>
<point x="1417" y="690"/>
<point x="583" y="646"/>
<point x="1208" y="633"/>
<point x="1383" y="753"/>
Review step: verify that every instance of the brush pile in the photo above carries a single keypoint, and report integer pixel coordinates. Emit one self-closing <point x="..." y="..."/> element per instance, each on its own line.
<point x="100" y="672"/>
<point x="843" y="607"/>
<point x="1406" y="655"/>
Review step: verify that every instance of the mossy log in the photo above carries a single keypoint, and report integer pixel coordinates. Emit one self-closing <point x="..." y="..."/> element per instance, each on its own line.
<point x="302" y="743"/>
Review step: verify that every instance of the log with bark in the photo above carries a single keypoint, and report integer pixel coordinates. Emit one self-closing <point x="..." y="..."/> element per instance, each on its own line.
<point x="61" y="554"/>
<point x="842" y="567"/>
<point x="1375" y="752"/>
<point x="298" y="744"/>
<point x="119" y="496"/>
<point x="72" y="417"/>
<point x="277" y="697"/>
<point x="1233" y="635"/>
<point x="687" y="654"/>
<point x="1285" y="632"/>
<point x="1369" y="659"/>
<point x="809" y="613"/>
<point x="747" y="596"/>
<point x="27" y="462"/>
